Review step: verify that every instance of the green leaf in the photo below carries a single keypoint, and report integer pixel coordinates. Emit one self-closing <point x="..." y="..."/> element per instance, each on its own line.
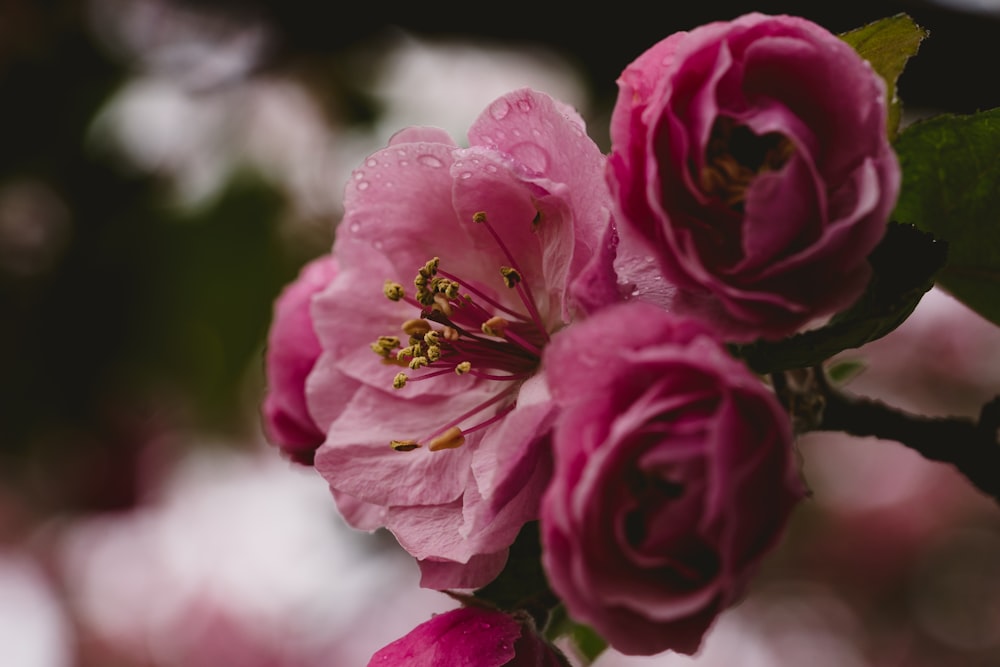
<point x="904" y="265"/>
<point x="588" y="644"/>
<point x="887" y="44"/>
<point x="844" y="371"/>
<point x="951" y="188"/>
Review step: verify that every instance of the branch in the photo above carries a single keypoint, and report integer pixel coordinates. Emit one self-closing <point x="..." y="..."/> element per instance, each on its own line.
<point x="972" y="447"/>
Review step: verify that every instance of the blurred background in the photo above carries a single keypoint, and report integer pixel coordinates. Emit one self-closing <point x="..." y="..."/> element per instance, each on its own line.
<point x="167" y="166"/>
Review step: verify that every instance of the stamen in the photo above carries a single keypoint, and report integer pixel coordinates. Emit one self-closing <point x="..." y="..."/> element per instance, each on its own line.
<point x="384" y="345"/>
<point x="444" y="430"/>
<point x="404" y="445"/>
<point x="393" y="290"/>
<point x="462" y="368"/>
<point x="529" y="302"/>
<point x="483" y="297"/>
<point x="510" y="276"/>
<point x="418" y="362"/>
<point x="441" y="304"/>
<point x="417" y="327"/>
<point x="450" y="439"/>
<point x="495" y="326"/>
<point x="399" y="381"/>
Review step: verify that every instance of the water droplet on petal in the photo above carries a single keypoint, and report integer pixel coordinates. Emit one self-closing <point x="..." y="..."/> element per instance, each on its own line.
<point x="531" y="155"/>
<point x="500" y="109"/>
<point x="524" y="105"/>
<point x="363" y="185"/>
<point x="359" y="174"/>
<point x="466" y="175"/>
<point x="372" y="162"/>
<point x="355" y="227"/>
<point x="404" y="163"/>
<point x="430" y="161"/>
<point x="492" y="168"/>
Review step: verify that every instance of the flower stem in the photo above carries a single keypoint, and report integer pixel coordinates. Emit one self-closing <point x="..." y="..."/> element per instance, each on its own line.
<point x="971" y="446"/>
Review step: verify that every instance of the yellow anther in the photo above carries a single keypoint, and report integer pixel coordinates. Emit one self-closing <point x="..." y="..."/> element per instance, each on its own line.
<point x="392" y="290"/>
<point x="450" y="439"/>
<point x="433" y="353"/>
<point x="404" y="445"/>
<point x="384" y="345"/>
<point x="425" y="296"/>
<point x="399" y="381"/>
<point x="441" y="304"/>
<point x="416" y="327"/>
<point x="495" y="326"/>
<point x="510" y="276"/>
<point x="479" y="216"/>
<point x="431" y="267"/>
<point x="418" y="362"/>
<point x="432" y="337"/>
<point x="411" y="351"/>
<point x="463" y="368"/>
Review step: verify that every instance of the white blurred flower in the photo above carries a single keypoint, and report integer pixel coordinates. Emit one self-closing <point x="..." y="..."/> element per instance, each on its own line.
<point x="240" y="556"/>
<point x="34" y="630"/>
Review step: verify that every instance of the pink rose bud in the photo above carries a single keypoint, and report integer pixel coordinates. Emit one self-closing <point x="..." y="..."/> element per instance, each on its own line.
<point x="674" y="476"/>
<point x="471" y="636"/>
<point x="292" y="351"/>
<point x="750" y="158"/>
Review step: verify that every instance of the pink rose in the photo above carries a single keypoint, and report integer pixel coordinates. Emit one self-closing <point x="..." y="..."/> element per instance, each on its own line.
<point x="471" y="636"/>
<point x="674" y="476"/>
<point x="456" y="265"/>
<point x="751" y="159"/>
<point x="292" y="351"/>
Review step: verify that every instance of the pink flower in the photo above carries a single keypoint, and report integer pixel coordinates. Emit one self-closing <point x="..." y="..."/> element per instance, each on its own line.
<point x="674" y="476"/>
<point x="751" y="159"/>
<point x="471" y="636"/>
<point x="292" y="351"/>
<point x="456" y="266"/>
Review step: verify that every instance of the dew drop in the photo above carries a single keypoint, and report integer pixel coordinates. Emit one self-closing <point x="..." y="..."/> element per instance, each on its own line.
<point x="404" y="163"/>
<point x="531" y="155"/>
<point x="430" y="161"/>
<point x="358" y="175"/>
<point x="355" y="227"/>
<point x="492" y="168"/>
<point x="524" y="105"/>
<point x="466" y="175"/>
<point x="500" y="109"/>
<point x="363" y="185"/>
<point x="372" y="162"/>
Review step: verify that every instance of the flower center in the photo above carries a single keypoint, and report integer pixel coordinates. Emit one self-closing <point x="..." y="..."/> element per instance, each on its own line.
<point x="461" y="329"/>
<point x="735" y="156"/>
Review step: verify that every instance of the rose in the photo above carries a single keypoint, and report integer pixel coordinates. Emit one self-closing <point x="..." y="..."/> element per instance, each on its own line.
<point x="471" y="636"/>
<point x="751" y="159"/>
<point x="674" y="476"/>
<point x="292" y="351"/>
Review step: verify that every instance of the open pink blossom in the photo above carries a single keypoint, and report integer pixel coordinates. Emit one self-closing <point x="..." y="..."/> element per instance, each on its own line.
<point x="471" y="636"/>
<point x="292" y="351"/>
<point x="456" y="265"/>
<point x="674" y="476"/>
<point x="751" y="159"/>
